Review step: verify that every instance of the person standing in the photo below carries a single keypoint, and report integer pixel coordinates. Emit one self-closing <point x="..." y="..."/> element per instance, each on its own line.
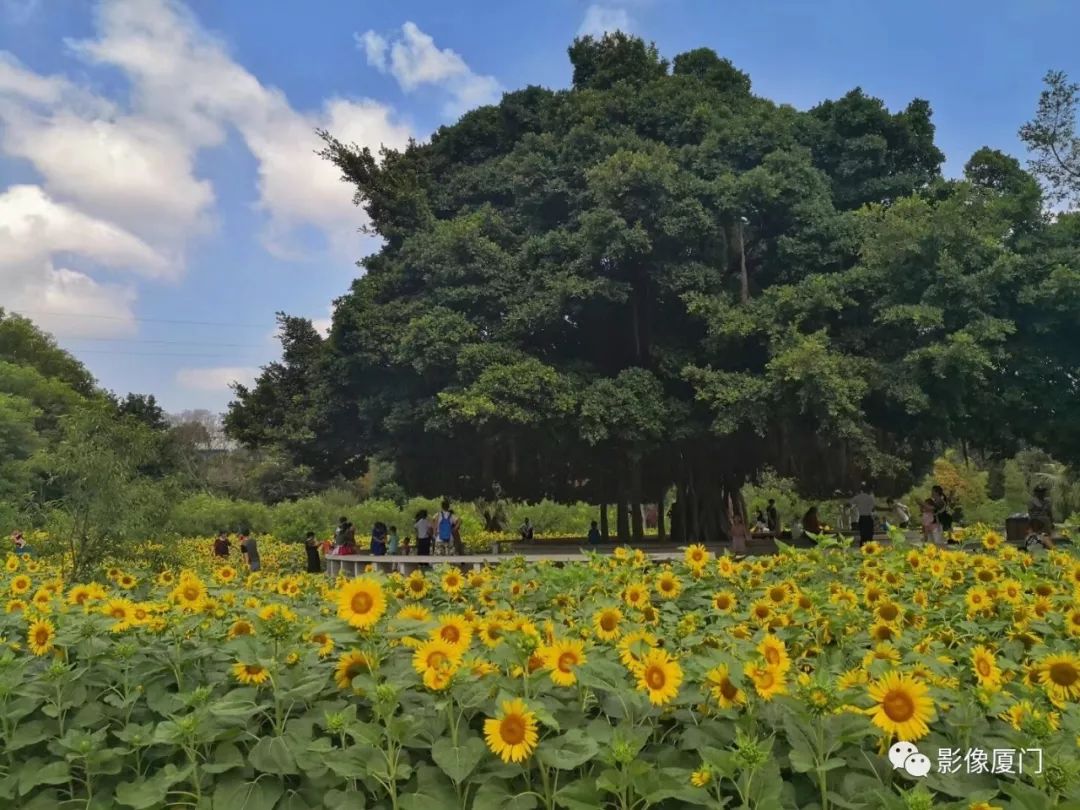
<point x="941" y="509"/>
<point x="378" y="539"/>
<point x="772" y="517"/>
<point x="423" y="534"/>
<point x="444" y="522"/>
<point x="526" y="531"/>
<point x="340" y="531"/>
<point x="1041" y="511"/>
<point x="863" y="503"/>
<point x="249" y="547"/>
<point x="221" y="545"/>
<point x="311" y="548"/>
<point x="931" y="528"/>
<point x="811" y="523"/>
<point x="455" y="534"/>
<point x="393" y="541"/>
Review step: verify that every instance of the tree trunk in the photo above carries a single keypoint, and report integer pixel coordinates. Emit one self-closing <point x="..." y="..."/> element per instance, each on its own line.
<point x="660" y="519"/>
<point x="744" y="279"/>
<point x="622" y="522"/>
<point x="604" y="532"/>
<point x="636" y="523"/>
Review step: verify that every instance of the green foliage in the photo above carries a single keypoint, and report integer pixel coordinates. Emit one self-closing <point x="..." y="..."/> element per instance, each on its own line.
<point x="102" y="501"/>
<point x="1051" y="136"/>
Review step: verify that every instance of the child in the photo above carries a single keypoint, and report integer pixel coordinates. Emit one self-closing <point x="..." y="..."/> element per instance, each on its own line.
<point x="392" y="541"/>
<point x="931" y="528"/>
<point x="594" y="534"/>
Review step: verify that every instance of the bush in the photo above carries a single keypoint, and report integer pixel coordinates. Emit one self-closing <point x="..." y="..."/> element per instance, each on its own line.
<point x="206" y="515"/>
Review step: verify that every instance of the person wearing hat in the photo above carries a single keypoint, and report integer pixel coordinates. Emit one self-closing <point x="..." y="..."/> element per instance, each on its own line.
<point x="1040" y="511"/>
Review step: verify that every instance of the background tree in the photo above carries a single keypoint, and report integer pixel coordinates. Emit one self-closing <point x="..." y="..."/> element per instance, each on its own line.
<point x="556" y="309"/>
<point x="1051" y="136"/>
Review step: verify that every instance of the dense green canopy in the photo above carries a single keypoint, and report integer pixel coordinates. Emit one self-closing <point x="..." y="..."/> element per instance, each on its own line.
<point x="656" y="278"/>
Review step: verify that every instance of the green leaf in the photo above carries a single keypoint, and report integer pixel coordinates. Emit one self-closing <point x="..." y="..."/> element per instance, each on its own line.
<point x="344" y="800"/>
<point x="495" y="795"/>
<point x="433" y="791"/>
<point x="459" y="761"/>
<point x="26" y="734"/>
<point x="582" y="794"/>
<point x="226" y="757"/>
<point x="141" y="795"/>
<point x="33" y="774"/>
<point x="272" y="755"/>
<point x="568" y="751"/>
<point x="240" y="794"/>
<point x="1027" y="797"/>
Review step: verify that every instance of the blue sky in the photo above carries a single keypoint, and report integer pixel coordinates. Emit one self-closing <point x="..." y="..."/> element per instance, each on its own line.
<point x="159" y="199"/>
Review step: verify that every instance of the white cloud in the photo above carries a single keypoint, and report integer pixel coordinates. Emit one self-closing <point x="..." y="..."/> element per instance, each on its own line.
<point x="185" y="78"/>
<point x="32" y="226"/>
<point x="34" y="229"/>
<point x="121" y="176"/>
<point x="17" y="80"/>
<point x="416" y="60"/>
<point x="375" y="48"/>
<point x="131" y="170"/>
<point x="216" y="379"/>
<point x="603" y="19"/>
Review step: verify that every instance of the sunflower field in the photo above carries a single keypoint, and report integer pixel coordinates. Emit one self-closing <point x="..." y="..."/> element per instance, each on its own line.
<point x="768" y="682"/>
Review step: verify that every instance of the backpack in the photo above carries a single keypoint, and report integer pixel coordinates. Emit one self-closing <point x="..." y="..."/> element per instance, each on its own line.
<point x="445" y="527"/>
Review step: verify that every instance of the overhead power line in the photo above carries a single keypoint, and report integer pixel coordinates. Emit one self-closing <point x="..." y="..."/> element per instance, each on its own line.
<point x="142" y="320"/>
<point x="164" y="342"/>
<point x="154" y="354"/>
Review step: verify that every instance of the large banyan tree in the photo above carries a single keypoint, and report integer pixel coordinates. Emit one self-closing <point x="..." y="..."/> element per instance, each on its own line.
<point x="656" y="279"/>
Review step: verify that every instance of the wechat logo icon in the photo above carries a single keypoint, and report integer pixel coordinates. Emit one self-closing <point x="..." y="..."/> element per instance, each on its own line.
<point x="905" y="756"/>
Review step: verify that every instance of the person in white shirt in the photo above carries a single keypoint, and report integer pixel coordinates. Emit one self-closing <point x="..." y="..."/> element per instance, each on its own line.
<point x="899" y="512"/>
<point x="423" y="534"/>
<point x="864" y="505"/>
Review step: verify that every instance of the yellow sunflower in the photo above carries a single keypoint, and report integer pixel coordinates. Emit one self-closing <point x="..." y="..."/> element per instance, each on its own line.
<point x="416" y="586"/>
<point x="768" y="681"/>
<point x="512" y="734"/>
<point x="361" y="602"/>
<point x="986" y="668"/>
<point x="696" y="556"/>
<point x="607" y="623"/>
<point x="659" y="675"/>
<point x="902" y="707"/>
<point x="562" y="658"/>
<point x="453" y="630"/>
<point x="635" y="595"/>
<point x="19" y="585"/>
<point x="668" y="585"/>
<point x="633" y="647"/>
<point x="453" y="582"/>
<point x="40" y="636"/>
<point x="775" y="653"/>
<point x="250" y="674"/>
<point x="436" y="661"/>
<point x="349" y="665"/>
<point x="416" y="613"/>
<point x="1059" y="675"/>
<point x="241" y="627"/>
<point x="724" y="601"/>
<point x="724" y="692"/>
